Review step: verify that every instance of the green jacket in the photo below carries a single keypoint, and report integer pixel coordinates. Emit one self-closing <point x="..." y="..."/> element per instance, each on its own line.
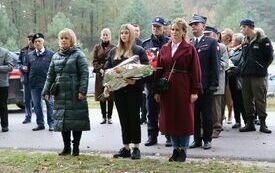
<point x="69" y="112"/>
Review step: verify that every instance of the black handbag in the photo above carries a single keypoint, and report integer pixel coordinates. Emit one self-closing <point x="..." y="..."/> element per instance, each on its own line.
<point x="163" y="84"/>
<point x="54" y="89"/>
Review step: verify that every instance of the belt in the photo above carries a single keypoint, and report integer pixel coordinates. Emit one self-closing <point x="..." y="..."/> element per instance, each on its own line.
<point x="178" y="71"/>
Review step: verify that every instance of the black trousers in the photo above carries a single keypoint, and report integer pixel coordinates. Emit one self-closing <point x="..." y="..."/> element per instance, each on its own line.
<point x="128" y="101"/>
<point x="106" y="114"/>
<point x="143" y="108"/>
<point x="237" y="98"/>
<point x="4" y="92"/>
<point x="203" y="116"/>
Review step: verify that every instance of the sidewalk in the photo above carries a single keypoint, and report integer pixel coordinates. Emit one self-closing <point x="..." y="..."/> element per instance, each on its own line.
<point x="107" y="139"/>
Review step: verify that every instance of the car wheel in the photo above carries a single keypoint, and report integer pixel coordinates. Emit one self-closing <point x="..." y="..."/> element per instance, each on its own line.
<point x="21" y="105"/>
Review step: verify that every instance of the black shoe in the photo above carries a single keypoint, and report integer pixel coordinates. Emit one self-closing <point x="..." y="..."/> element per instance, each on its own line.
<point x="248" y="128"/>
<point x="151" y="142"/>
<point x="168" y="143"/>
<point x="135" y="154"/>
<point x="75" y="151"/>
<point x="173" y="158"/>
<point x="38" y="128"/>
<point x="104" y="121"/>
<point x="181" y="155"/>
<point x="110" y="121"/>
<point x="207" y="145"/>
<point x="195" y="144"/>
<point x="26" y="121"/>
<point x="265" y="129"/>
<point x="236" y="126"/>
<point x="66" y="151"/>
<point x="5" y="129"/>
<point x="123" y="152"/>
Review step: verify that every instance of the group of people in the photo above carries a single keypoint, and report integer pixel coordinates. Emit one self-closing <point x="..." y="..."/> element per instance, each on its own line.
<point x="184" y="95"/>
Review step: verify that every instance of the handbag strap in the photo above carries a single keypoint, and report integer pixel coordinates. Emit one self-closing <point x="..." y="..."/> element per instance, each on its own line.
<point x="63" y="65"/>
<point x="172" y="70"/>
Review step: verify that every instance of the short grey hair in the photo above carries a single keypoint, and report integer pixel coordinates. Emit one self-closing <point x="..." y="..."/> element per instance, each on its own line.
<point x="238" y="37"/>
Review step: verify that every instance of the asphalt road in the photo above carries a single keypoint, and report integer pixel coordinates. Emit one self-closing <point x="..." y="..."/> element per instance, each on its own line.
<point x="107" y="139"/>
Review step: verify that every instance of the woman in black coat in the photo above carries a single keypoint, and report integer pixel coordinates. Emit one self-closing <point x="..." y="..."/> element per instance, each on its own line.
<point x="128" y="99"/>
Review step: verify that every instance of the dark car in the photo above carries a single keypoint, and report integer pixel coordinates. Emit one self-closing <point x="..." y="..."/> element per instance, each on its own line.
<point x="16" y="95"/>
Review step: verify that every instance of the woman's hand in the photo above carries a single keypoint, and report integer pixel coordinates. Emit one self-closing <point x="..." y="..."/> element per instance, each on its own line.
<point x="46" y="97"/>
<point x="157" y="98"/>
<point x="81" y="96"/>
<point x="130" y="81"/>
<point x="193" y="97"/>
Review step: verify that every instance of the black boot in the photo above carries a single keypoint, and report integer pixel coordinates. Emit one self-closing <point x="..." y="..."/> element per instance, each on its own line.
<point x="181" y="155"/>
<point x="249" y="126"/>
<point x="67" y="143"/>
<point x="263" y="127"/>
<point x="77" y="136"/>
<point x="174" y="157"/>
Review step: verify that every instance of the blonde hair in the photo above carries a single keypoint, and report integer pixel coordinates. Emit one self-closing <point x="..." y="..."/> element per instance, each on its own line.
<point x="67" y="32"/>
<point x="107" y="30"/>
<point x="122" y="48"/>
<point x="181" y="24"/>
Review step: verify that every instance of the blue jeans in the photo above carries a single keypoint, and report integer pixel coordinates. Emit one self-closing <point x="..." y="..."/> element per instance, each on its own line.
<point x="38" y="108"/>
<point x="27" y="101"/>
<point x="180" y="141"/>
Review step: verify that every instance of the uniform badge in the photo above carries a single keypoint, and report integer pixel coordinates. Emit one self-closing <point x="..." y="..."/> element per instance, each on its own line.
<point x="256" y="46"/>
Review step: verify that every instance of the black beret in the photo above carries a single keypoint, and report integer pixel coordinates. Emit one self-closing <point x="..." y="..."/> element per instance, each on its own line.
<point x="37" y="35"/>
<point x="247" y="22"/>
<point x="198" y="19"/>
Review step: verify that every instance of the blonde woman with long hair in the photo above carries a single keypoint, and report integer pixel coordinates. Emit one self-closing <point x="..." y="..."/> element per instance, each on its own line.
<point x="128" y="99"/>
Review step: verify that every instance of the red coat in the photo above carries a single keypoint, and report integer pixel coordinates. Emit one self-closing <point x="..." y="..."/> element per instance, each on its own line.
<point x="176" y="110"/>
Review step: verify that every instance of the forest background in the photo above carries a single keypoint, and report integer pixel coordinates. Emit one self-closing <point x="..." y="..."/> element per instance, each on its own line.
<point x="88" y="17"/>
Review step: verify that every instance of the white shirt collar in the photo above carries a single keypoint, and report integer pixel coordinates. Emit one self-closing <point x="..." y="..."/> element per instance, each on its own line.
<point x="199" y="38"/>
<point x="41" y="51"/>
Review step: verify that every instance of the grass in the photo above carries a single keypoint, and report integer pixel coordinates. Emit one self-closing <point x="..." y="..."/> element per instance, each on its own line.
<point x="14" y="161"/>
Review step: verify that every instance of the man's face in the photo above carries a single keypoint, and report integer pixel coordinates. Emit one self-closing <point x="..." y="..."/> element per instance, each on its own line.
<point x="197" y="29"/>
<point x="244" y="29"/>
<point x="157" y="30"/>
<point x="225" y="38"/>
<point x="39" y="43"/>
<point x="137" y="32"/>
<point x="30" y="44"/>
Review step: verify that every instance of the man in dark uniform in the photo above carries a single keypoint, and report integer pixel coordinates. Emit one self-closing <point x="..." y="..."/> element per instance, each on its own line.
<point x="38" y="64"/>
<point x="155" y="42"/>
<point x="25" y="78"/>
<point x="257" y="55"/>
<point x="208" y="54"/>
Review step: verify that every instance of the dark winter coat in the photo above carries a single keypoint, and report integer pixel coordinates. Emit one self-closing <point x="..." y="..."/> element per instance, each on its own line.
<point x="99" y="57"/>
<point x="257" y="55"/>
<point x="176" y="110"/>
<point x="38" y="66"/>
<point x="70" y="113"/>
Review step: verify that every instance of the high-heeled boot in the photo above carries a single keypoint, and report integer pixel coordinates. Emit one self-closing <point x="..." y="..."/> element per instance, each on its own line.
<point x="67" y="143"/>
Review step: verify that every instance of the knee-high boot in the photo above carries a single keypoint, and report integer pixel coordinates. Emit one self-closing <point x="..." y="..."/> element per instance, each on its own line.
<point x="77" y="137"/>
<point x="67" y="143"/>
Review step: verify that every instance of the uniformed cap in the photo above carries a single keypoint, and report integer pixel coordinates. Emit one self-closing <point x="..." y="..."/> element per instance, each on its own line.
<point x="36" y="36"/>
<point x="198" y="19"/>
<point x="158" y="21"/>
<point x="209" y="29"/>
<point x="247" y="22"/>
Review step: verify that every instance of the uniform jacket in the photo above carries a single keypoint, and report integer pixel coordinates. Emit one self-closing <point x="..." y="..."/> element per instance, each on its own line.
<point x="257" y="55"/>
<point x="209" y="61"/>
<point x="23" y="60"/>
<point x="99" y="58"/>
<point x="70" y="113"/>
<point x="223" y="58"/>
<point x="137" y="50"/>
<point x="5" y="67"/>
<point x="154" y="42"/>
<point x="38" y="66"/>
<point x="176" y="110"/>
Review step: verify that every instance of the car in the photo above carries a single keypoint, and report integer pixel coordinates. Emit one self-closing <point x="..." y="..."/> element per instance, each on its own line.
<point x="15" y="95"/>
<point x="91" y="84"/>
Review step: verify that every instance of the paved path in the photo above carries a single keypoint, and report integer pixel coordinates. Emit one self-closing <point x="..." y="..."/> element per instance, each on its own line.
<point x="107" y="139"/>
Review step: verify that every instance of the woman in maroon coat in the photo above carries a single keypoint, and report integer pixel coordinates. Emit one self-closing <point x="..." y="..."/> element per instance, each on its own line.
<point x="177" y="104"/>
<point x="99" y="57"/>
